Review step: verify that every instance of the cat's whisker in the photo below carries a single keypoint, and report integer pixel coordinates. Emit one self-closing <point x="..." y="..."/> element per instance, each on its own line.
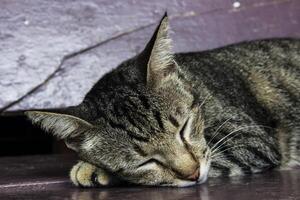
<point x="219" y="128"/>
<point x="222" y="156"/>
<point x="228" y="154"/>
<point x="224" y="142"/>
<point x="220" y="149"/>
<point x="215" y="147"/>
<point x="205" y="99"/>
<point x="220" y="152"/>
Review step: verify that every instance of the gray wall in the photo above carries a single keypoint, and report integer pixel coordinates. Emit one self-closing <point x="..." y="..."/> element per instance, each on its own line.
<point x="52" y="52"/>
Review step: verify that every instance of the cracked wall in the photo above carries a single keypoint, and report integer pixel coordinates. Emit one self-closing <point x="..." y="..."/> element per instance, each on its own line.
<point x="53" y="52"/>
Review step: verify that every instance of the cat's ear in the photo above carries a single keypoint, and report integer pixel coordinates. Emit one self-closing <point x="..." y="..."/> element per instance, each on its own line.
<point x="158" y="54"/>
<point x="63" y="126"/>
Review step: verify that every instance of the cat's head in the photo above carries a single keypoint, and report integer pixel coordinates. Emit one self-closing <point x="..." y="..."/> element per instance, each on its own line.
<point x="146" y="131"/>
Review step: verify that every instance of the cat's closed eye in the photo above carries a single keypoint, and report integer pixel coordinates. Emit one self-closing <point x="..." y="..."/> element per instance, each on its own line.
<point x="184" y="133"/>
<point x="149" y="163"/>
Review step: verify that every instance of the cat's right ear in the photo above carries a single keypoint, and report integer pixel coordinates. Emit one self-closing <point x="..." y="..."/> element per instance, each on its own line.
<point x="63" y="126"/>
<point x="157" y="57"/>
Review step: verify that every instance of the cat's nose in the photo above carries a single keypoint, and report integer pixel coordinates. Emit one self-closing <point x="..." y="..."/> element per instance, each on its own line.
<point x="195" y="175"/>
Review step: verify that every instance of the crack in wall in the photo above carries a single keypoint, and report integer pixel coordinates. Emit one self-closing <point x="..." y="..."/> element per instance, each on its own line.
<point x="67" y="57"/>
<point x="71" y="55"/>
<point x="81" y="51"/>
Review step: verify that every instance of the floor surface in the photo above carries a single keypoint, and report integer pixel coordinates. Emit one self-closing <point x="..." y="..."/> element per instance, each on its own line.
<point x="46" y="177"/>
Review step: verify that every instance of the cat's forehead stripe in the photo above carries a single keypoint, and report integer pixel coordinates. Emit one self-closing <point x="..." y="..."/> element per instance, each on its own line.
<point x="174" y="121"/>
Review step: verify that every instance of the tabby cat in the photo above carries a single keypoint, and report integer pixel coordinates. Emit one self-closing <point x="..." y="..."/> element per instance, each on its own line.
<point x="176" y="119"/>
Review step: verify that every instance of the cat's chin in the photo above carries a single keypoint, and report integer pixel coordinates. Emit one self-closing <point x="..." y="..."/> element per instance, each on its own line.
<point x="181" y="183"/>
<point x="202" y="179"/>
<point x="204" y="168"/>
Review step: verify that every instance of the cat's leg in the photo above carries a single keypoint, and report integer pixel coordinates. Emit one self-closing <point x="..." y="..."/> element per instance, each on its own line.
<point x="289" y="144"/>
<point x="87" y="175"/>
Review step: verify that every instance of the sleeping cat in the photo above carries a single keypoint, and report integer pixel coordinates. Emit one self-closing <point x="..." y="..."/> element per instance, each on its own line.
<point x="176" y="119"/>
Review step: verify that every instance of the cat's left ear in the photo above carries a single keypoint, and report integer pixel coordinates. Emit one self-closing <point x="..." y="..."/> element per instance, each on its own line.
<point x="158" y="54"/>
<point x="63" y="126"/>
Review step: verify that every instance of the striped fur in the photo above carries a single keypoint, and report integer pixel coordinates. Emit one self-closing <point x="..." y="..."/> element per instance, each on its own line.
<point x="160" y="117"/>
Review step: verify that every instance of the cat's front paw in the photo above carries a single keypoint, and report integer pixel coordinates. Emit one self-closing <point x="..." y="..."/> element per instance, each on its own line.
<point x="87" y="175"/>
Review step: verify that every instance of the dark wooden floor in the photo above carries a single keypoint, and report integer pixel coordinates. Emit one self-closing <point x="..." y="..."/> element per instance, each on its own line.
<point x="41" y="177"/>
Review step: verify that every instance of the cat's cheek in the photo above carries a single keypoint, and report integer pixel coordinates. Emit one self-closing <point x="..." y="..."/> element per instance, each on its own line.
<point x="149" y="174"/>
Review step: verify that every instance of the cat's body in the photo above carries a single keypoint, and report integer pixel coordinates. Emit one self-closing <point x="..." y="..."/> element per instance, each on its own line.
<point x="164" y="119"/>
<point x="257" y="83"/>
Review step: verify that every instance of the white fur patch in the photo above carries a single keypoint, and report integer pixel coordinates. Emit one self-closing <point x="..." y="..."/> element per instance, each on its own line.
<point x="204" y="169"/>
<point x="89" y="142"/>
<point x="182" y="183"/>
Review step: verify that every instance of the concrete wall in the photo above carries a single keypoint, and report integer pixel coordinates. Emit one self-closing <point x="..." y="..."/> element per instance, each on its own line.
<point x="52" y="52"/>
